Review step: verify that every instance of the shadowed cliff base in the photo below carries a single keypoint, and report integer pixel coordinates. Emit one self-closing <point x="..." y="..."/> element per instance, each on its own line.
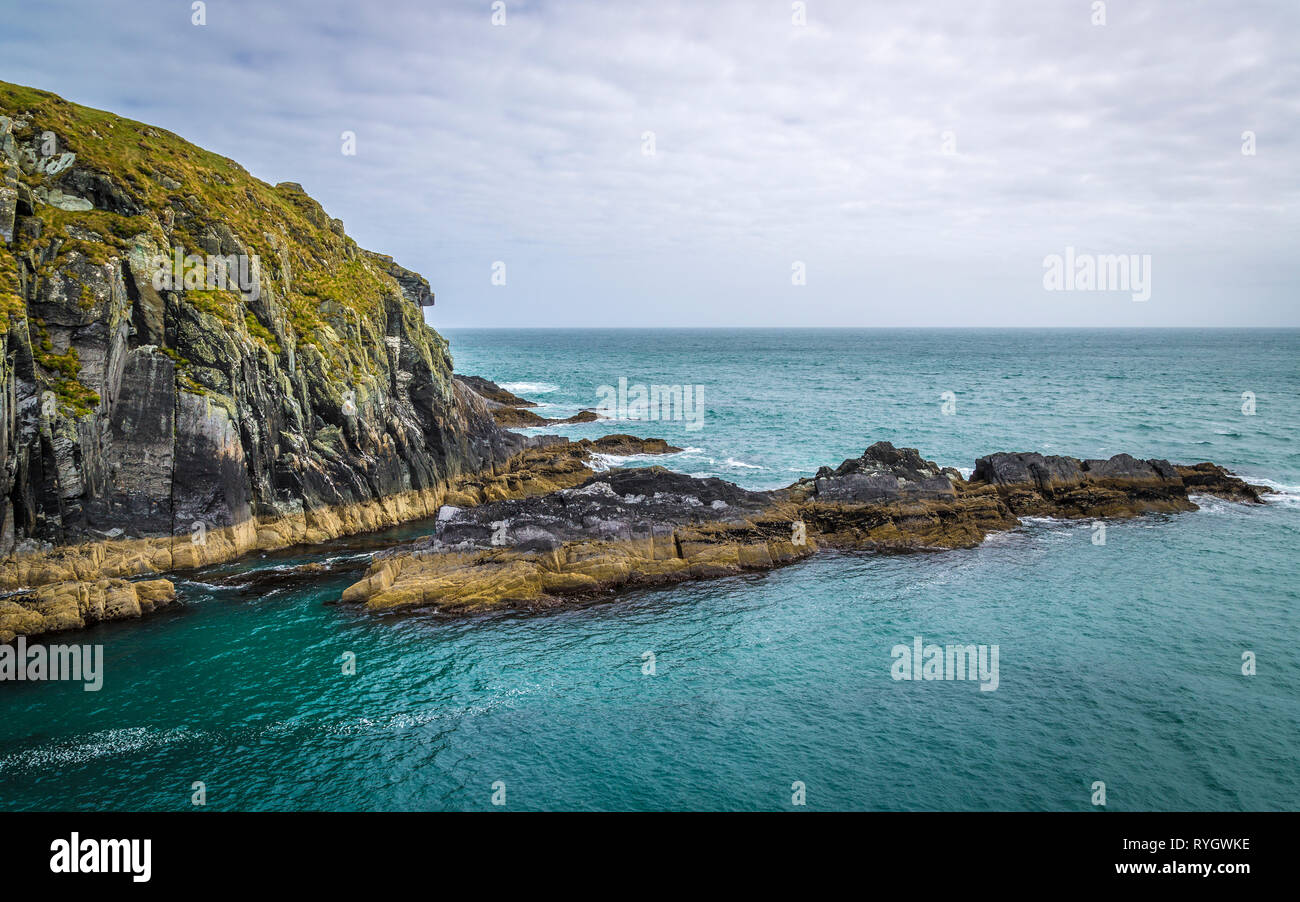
<point x="32" y="580"/>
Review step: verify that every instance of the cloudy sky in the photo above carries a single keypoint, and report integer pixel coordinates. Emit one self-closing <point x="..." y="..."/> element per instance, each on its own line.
<point x="669" y="162"/>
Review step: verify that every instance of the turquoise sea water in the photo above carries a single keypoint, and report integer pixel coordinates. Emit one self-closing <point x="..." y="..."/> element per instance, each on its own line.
<point x="1118" y="662"/>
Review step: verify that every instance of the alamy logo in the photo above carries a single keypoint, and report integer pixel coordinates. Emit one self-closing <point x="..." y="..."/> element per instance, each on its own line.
<point x="57" y="662"/>
<point x="103" y="856"/>
<point x="654" y="402"/>
<point x="1106" y="272"/>
<point x="192" y="272"/>
<point x="954" y="662"/>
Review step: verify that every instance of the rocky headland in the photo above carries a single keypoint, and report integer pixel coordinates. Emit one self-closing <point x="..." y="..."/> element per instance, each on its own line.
<point x="199" y="365"/>
<point x="277" y="386"/>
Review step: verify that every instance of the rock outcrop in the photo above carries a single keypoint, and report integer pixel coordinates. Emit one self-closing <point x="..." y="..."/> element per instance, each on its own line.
<point x="1211" y="479"/>
<point x="489" y="390"/>
<point x="511" y="411"/>
<point x="648" y="526"/>
<point x="633" y="527"/>
<point x="1034" y="485"/>
<point x="891" y="499"/>
<point x="77" y="604"/>
<point x="547" y="464"/>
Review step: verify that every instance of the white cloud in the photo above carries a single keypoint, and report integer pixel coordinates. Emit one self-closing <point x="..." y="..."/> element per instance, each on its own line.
<point x="774" y="143"/>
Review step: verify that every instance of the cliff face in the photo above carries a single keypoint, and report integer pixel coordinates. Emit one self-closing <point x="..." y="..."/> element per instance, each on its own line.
<point x="277" y="374"/>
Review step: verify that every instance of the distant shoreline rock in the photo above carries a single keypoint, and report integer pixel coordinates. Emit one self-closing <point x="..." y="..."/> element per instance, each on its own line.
<point x="511" y="411"/>
<point x="493" y="392"/>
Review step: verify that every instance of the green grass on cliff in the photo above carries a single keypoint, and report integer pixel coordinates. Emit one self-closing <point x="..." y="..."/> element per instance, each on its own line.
<point x="335" y="290"/>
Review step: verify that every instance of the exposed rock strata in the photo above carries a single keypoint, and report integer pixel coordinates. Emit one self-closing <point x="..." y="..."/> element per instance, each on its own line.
<point x="548" y="464"/>
<point x="645" y="526"/>
<point x="76" y="605"/>
<point x="650" y="526"/>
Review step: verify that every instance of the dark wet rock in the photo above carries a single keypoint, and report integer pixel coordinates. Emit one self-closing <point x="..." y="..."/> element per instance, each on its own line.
<point x="884" y="474"/>
<point x="493" y="392"/>
<point x="511" y="411"/>
<point x="624" y="445"/>
<point x="620" y="504"/>
<point x="1038" y="485"/>
<point x="268" y="580"/>
<point x="1211" y="479"/>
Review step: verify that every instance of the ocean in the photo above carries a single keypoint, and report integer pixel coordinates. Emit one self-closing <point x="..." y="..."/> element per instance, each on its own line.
<point x="1119" y="663"/>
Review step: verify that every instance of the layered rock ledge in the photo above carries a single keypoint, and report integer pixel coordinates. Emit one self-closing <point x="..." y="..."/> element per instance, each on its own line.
<point x="76" y="605"/>
<point x="650" y="526"/>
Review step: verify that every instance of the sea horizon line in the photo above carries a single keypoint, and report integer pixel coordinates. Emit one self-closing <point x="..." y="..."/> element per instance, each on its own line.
<point x="806" y="328"/>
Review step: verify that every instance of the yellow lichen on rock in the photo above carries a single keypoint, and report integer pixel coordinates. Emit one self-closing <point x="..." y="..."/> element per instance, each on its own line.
<point x="75" y="604"/>
<point x="455" y="582"/>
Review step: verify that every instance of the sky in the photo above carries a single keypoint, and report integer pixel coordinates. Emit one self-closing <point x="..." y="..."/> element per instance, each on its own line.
<point x="765" y="163"/>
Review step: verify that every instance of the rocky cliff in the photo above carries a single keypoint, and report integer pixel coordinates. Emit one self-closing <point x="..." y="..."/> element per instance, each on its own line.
<point x="197" y="363"/>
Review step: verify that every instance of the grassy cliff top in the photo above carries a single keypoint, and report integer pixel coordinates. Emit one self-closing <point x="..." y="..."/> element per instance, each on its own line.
<point x="155" y="191"/>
